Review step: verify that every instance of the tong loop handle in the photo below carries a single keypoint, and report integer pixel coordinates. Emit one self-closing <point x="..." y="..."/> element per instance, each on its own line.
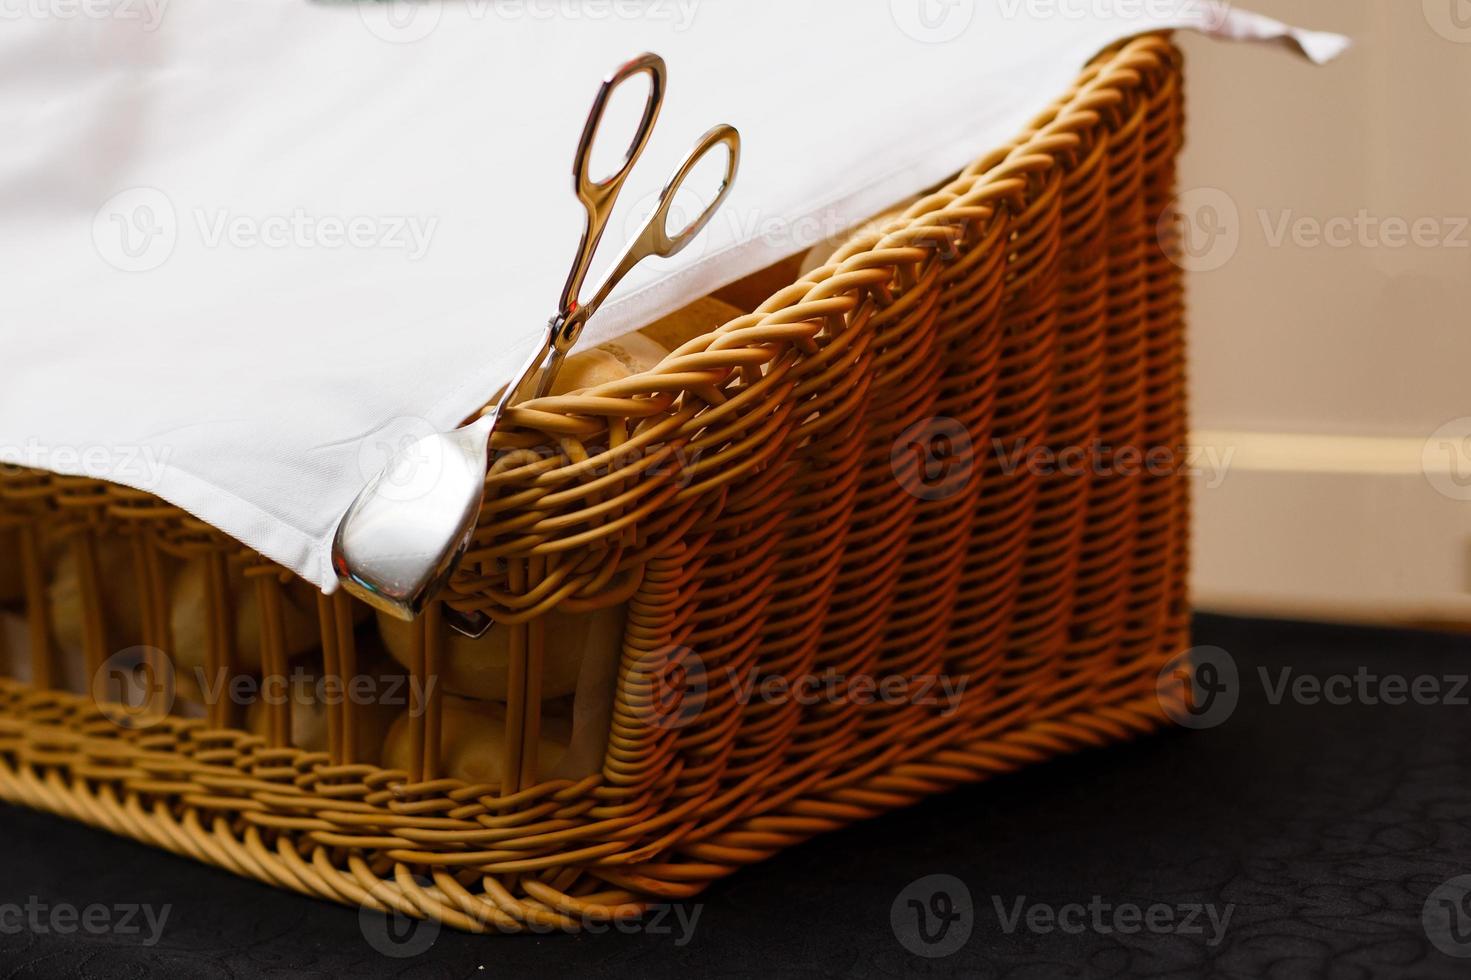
<point x="599" y="196"/>
<point x="654" y="238"/>
<point x="598" y="199"/>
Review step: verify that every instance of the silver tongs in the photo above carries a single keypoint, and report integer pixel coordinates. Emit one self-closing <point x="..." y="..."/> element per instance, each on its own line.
<point x="406" y="531"/>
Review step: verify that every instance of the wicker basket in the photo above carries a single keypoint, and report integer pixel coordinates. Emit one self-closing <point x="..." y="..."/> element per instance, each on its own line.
<point x="843" y="483"/>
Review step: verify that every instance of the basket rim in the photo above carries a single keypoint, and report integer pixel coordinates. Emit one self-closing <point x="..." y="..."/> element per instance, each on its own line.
<point x="753" y="343"/>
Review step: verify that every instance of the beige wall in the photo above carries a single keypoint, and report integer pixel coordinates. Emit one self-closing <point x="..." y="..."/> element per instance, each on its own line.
<point x="1308" y="339"/>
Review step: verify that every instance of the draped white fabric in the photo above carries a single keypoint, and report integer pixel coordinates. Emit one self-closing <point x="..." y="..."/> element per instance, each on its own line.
<point x="247" y="244"/>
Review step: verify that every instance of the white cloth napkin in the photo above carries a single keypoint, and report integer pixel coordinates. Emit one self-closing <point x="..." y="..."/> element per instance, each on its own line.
<point x="248" y="245"/>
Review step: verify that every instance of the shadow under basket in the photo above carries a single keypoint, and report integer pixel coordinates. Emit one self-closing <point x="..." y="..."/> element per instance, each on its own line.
<point x="917" y="519"/>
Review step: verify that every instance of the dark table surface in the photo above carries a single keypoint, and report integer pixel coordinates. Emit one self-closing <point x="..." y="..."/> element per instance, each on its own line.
<point x="1301" y="838"/>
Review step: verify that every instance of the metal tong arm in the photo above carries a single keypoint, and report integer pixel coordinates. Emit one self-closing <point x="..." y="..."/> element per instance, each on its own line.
<point x="599" y="197"/>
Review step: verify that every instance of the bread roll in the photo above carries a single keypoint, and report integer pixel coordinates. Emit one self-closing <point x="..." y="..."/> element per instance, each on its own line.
<point x="612" y="361"/>
<point x="818" y="254"/>
<point x="473" y="741"/>
<point x="15" y="647"/>
<point x="312" y="698"/>
<point x="187" y="586"/>
<point x="122" y="614"/>
<point x="700" y="317"/>
<point x="750" y="292"/>
<point x="189" y="625"/>
<point x="642" y="349"/>
<point x="15" y="657"/>
<point x="478" y="668"/>
<point x="189" y="707"/>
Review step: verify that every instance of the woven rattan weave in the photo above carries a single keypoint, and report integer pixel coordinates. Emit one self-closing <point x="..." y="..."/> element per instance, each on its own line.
<point x="953" y="451"/>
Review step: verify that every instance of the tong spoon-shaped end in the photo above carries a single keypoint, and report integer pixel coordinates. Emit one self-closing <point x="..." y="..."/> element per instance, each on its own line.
<point x="403" y="535"/>
<point x="399" y="542"/>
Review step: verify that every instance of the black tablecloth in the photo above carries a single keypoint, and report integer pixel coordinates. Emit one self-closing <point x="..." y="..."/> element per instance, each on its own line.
<point x="1324" y="830"/>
